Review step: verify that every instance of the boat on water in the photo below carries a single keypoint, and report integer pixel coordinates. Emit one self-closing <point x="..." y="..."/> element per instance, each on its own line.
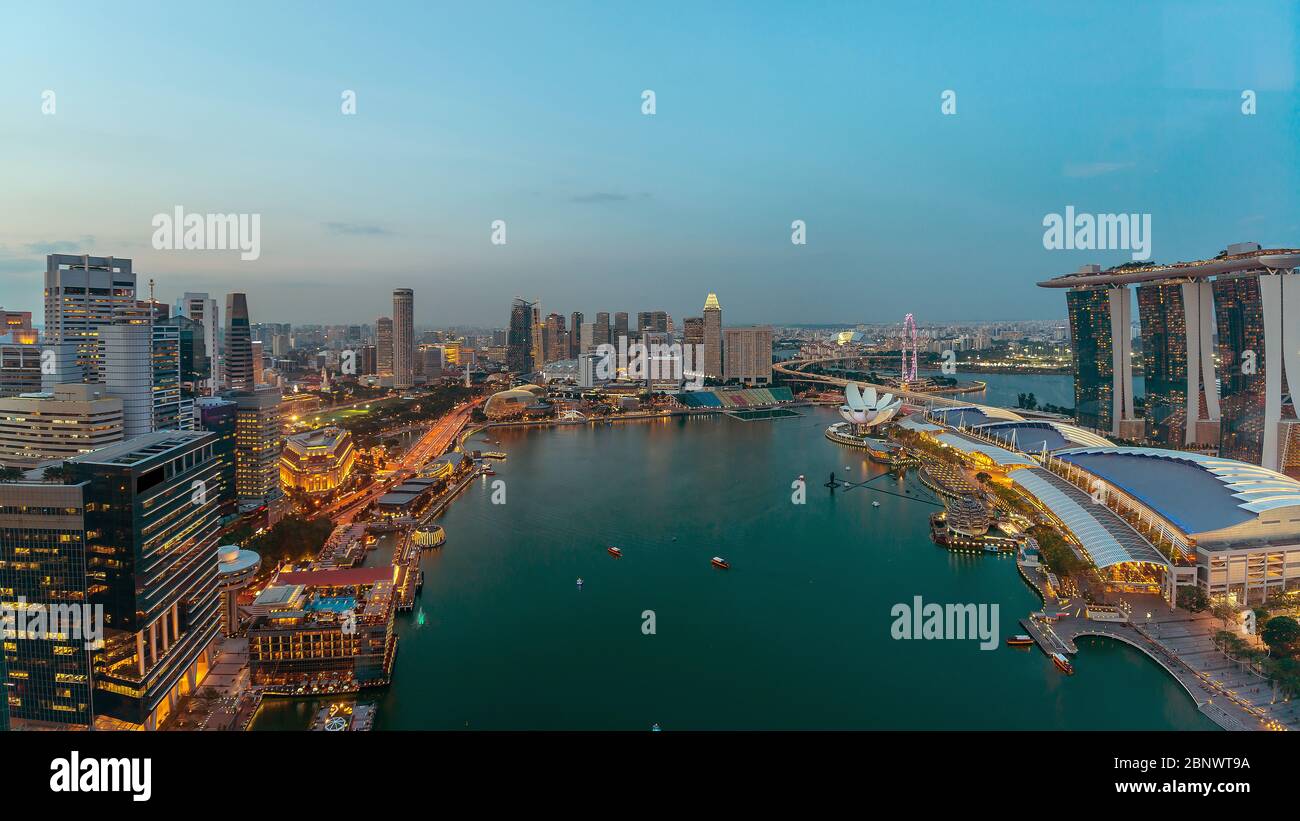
<point x="718" y="561"/>
<point x="1063" y="664"/>
<point x="875" y="504"/>
<point x="614" y="551"/>
<point x="487" y="471"/>
<point x="1020" y="640"/>
<point x="579" y="582"/>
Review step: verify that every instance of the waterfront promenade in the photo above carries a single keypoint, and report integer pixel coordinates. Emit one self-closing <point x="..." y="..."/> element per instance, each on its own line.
<point x="1179" y="641"/>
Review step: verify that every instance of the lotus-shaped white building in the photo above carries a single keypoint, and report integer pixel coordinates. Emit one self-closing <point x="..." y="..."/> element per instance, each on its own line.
<point x="865" y="408"/>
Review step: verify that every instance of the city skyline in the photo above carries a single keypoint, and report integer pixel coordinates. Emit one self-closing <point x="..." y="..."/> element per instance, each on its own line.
<point x="925" y="212"/>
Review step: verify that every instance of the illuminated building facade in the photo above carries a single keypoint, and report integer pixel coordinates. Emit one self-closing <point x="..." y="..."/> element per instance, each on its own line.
<point x="257" y="451"/>
<point x="82" y="295"/>
<point x="317" y="461"/>
<point x="151" y="518"/>
<point x="334" y="624"/>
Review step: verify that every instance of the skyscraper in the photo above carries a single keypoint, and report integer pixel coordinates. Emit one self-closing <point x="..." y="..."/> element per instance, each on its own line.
<point x="384" y="346"/>
<point x="1103" y="376"/>
<point x="1245" y="369"/>
<point x="127" y="372"/>
<point x="403" y="338"/>
<point x="83" y="294"/>
<point x="556" y="341"/>
<point x="748" y="355"/>
<point x="519" y="337"/>
<point x="238" y="366"/>
<point x="575" y="335"/>
<point x="539" y="338"/>
<point x="201" y="308"/>
<point x="257" y="451"/>
<point x="712" y="337"/>
<point x="151" y="520"/>
<point x="600" y="333"/>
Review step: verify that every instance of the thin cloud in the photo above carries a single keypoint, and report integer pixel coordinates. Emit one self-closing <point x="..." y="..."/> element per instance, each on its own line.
<point x="82" y="245"/>
<point x="1094" y="169"/>
<point x="605" y="197"/>
<point x="355" y="229"/>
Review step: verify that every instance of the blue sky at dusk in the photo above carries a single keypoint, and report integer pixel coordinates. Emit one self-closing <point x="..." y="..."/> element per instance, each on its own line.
<point x="531" y="113"/>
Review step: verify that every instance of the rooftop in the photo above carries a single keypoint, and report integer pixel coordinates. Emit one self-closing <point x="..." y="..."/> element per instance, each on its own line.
<point x="1198" y="493"/>
<point x="1249" y="260"/>
<point x="141" y="449"/>
<point x="1030" y="435"/>
<point x="1106" y="537"/>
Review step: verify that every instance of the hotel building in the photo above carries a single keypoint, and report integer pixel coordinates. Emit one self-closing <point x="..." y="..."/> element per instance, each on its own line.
<point x="1250" y="298"/>
<point x="331" y="624"/>
<point x="712" y="337"/>
<point x="317" y="461"/>
<point x="748" y="354"/>
<point x="403" y="338"/>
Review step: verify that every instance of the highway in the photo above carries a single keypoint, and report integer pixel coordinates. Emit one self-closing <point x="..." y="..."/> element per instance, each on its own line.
<point x="432" y="444"/>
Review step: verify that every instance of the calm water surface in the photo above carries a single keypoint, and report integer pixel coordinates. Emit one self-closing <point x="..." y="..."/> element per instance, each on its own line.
<point x="796" y="635"/>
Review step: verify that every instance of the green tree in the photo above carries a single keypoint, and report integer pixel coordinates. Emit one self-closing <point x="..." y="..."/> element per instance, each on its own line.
<point x="10" y="474"/>
<point x="1193" y="598"/>
<point x="1281" y="634"/>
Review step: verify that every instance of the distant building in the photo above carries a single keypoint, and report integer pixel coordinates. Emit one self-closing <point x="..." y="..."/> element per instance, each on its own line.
<point x="748" y="354"/>
<point x="201" y="308"/>
<point x="712" y="332"/>
<point x="82" y="295"/>
<point x="76" y="418"/>
<point x="238" y="370"/>
<point x="519" y="337"/>
<point x="384" y="346"/>
<point x="403" y="338"/>
<point x="257" y="451"/>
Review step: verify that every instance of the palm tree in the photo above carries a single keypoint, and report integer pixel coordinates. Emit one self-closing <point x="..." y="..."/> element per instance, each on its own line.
<point x="10" y="474"/>
<point x="54" y="473"/>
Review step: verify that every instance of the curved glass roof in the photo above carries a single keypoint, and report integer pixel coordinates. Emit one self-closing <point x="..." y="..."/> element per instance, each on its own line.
<point x="1196" y="492"/>
<point x="1001" y="456"/>
<point x="1031" y="434"/>
<point x="1107" y="538"/>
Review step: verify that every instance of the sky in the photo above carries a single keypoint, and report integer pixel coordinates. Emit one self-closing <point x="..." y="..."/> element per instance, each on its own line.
<point x="531" y="113"/>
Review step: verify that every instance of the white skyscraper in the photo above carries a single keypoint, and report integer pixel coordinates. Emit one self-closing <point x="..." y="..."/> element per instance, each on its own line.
<point x="202" y="308"/>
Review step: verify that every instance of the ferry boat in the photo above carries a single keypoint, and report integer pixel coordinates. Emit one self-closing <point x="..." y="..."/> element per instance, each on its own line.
<point x="1063" y="664"/>
<point x="1020" y="640"/>
<point x="614" y="551"/>
<point x="487" y="471"/>
<point x="718" y="561"/>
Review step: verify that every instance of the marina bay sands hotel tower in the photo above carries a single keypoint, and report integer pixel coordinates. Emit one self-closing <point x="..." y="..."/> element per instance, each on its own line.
<point x="1220" y="353"/>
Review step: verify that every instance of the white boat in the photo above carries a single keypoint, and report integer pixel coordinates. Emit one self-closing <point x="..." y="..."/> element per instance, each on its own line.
<point x="875" y="504"/>
<point x="579" y="582"/>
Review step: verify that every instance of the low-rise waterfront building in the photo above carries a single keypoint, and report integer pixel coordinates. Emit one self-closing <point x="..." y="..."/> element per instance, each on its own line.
<point x="324" y="627"/>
